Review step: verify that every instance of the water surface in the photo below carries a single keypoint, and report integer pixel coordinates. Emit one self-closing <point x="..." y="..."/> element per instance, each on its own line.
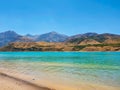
<point x="70" y="68"/>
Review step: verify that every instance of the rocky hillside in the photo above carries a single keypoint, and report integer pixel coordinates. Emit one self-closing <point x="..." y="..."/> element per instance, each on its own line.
<point x="94" y="38"/>
<point x="89" y="42"/>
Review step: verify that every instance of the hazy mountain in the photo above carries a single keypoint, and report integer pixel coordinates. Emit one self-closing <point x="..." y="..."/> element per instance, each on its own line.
<point x="11" y="36"/>
<point x="8" y="36"/>
<point x="52" y="37"/>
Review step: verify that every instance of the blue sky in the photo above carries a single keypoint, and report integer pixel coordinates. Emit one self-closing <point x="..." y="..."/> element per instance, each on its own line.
<point x="64" y="16"/>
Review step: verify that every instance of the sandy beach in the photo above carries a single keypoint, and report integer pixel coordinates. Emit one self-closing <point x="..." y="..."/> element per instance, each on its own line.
<point x="12" y="83"/>
<point x="16" y="81"/>
<point x="11" y="80"/>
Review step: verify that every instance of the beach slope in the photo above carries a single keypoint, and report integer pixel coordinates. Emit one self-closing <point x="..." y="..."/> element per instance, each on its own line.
<point x="8" y="82"/>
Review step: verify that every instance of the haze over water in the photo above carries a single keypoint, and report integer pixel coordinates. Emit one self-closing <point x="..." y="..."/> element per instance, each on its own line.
<point x="68" y="68"/>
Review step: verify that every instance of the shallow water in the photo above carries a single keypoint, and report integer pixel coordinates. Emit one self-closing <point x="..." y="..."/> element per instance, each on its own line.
<point x="69" y="68"/>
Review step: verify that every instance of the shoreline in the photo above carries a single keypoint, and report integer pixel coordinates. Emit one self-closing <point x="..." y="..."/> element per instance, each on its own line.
<point x="59" y="51"/>
<point x="10" y="80"/>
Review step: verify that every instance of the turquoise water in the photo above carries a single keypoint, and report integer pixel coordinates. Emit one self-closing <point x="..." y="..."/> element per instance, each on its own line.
<point x="66" y="67"/>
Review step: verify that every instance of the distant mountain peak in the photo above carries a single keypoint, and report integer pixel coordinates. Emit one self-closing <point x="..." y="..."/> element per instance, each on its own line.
<point x="11" y="36"/>
<point x="52" y="37"/>
<point x="10" y="31"/>
<point x="90" y="34"/>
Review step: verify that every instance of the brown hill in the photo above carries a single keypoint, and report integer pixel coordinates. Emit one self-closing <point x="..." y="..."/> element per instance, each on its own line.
<point x="36" y="46"/>
<point x="89" y="42"/>
<point x="45" y="46"/>
<point x="112" y="41"/>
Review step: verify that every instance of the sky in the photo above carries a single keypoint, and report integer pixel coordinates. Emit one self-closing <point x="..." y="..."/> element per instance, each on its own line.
<point x="64" y="16"/>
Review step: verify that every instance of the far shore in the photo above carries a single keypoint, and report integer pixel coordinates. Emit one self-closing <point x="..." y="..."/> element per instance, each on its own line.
<point x="38" y="46"/>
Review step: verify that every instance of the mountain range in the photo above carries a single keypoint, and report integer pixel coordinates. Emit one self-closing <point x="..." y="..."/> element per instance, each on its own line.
<point x="94" y="38"/>
<point x="79" y="39"/>
<point x="11" y="36"/>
